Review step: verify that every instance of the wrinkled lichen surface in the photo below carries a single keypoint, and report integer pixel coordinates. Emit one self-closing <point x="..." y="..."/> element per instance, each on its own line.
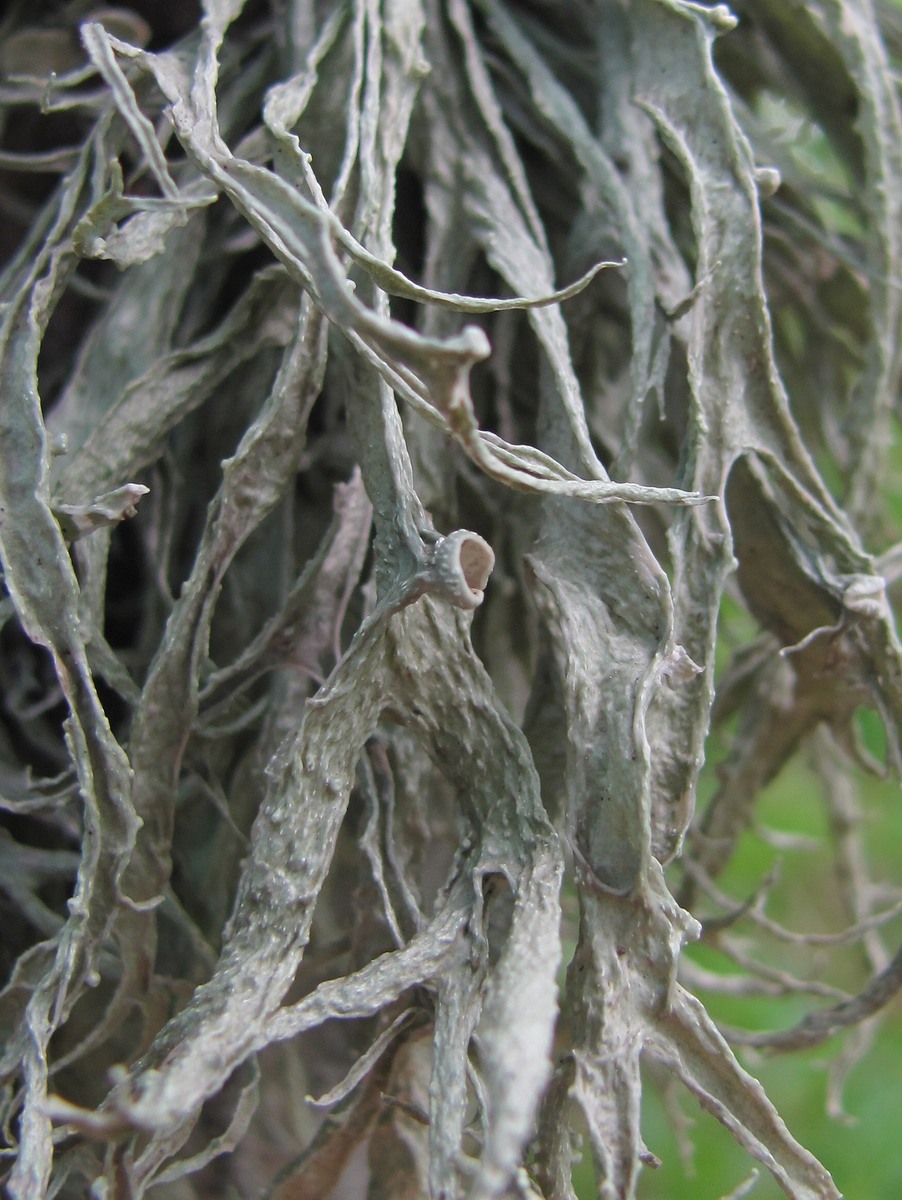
<point x="394" y="398"/>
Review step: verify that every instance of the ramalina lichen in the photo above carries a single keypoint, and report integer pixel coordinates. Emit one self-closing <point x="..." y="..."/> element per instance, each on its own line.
<point x="362" y="582"/>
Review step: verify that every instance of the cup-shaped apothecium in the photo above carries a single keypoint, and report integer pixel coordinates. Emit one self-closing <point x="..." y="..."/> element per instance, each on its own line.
<point x="461" y="565"/>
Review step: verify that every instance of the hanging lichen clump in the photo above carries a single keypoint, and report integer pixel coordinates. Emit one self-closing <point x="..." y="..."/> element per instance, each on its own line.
<point x="404" y="409"/>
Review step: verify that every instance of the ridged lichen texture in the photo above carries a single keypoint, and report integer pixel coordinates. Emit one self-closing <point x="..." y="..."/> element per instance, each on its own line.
<point x="429" y="428"/>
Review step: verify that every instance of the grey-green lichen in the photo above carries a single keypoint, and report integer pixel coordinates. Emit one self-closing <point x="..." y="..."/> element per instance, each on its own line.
<point x="362" y="583"/>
